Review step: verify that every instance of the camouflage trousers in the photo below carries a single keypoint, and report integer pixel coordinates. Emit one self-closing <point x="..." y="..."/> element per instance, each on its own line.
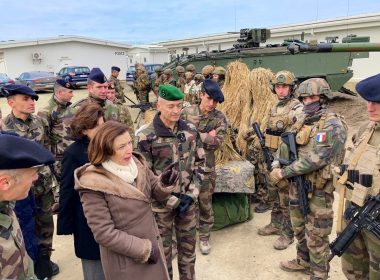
<point x="185" y="229"/>
<point x="362" y="258"/>
<point x="143" y="96"/>
<point x="206" y="214"/>
<point x="55" y="187"/>
<point x="261" y="185"/>
<point x="313" y="233"/>
<point x="280" y="214"/>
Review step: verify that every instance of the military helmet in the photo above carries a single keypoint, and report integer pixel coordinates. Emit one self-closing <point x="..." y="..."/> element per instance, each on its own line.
<point x="219" y="70"/>
<point x="199" y="77"/>
<point x="189" y="75"/>
<point x="313" y="86"/>
<point x="207" y="70"/>
<point x="180" y="69"/>
<point x="140" y="67"/>
<point x="190" y="68"/>
<point x="158" y="69"/>
<point x="284" y="77"/>
<point x="168" y="71"/>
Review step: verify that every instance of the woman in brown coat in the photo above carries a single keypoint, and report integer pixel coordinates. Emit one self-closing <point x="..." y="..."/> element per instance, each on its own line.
<point x="116" y="192"/>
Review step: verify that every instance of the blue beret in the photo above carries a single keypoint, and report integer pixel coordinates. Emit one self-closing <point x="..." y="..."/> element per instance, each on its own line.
<point x="17" y="152"/>
<point x="369" y="88"/>
<point x="97" y="75"/>
<point x="115" y="68"/>
<point x="170" y="92"/>
<point x="10" y="90"/>
<point x="213" y="90"/>
<point x="63" y="83"/>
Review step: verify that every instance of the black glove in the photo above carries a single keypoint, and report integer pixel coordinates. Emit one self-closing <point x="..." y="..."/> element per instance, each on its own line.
<point x="154" y="254"/>
<point x="186" y="201"/>
<point x="170" y="174"/>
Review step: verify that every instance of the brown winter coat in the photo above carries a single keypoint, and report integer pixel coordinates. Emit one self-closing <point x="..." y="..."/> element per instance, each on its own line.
<point x="122" y="221"/>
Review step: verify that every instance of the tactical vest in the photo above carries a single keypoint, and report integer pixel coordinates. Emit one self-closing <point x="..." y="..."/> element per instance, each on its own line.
<point x="321" y="178"/>
<point x="362" y="161"/>
<point x="278" y="123"/>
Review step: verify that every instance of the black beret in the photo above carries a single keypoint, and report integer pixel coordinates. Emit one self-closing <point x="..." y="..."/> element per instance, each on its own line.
<point x="213" y="90"/>
<point x="10" y="90"/>
<point x="369" y="88"/>
<point x="115" y="68"/>
<point x="63" y="83"/>
<point x="97" y="75"/>
<point x="17" y="152"/>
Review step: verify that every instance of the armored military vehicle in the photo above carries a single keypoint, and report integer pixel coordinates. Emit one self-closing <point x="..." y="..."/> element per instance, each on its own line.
<point x="330" y="60"/>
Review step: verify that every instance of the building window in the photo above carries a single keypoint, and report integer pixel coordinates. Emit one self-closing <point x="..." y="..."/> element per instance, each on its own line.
<point x="130" y="60"/>
<point x="144" y="59"/>
<point x="196" y="49"/>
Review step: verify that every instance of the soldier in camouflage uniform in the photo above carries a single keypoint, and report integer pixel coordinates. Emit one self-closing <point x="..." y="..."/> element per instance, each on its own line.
<point x="207" y="71"/>
<point x="320" y="145"/>
<point x="165" y="140"/>
<point x="111" y="96"/>
<point x="18" y="170"/>
<point x="168" y="77"/>
<point x="142" y="84"/>
<point x="286" y="115"/>
<point x="181" y="81"/>
<point x="54" y="113"/>
<point x="361" y="259"/>
<point x="212" y="127"/>
<point x="189" y="78"/>
<point x="117" y="85"/>
<point x="219" y="75"/>
<point x="37" y="224"/>
<point x="191" y="68"/>
<point x="157" y="80"/>
<point x="97" y="87"/>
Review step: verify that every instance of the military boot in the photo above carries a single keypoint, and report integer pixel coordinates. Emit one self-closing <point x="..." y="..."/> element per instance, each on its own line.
<point x="205" y="246"/>
<point x="262" y="207"/>
<point x="269" y="230"/>
<point x="283" y="242"/>
<point x="43" y="267"/>
<point x="295" y="265"/>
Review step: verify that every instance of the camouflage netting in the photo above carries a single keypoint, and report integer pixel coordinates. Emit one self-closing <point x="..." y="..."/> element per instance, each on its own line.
<point x="240" y="90"/>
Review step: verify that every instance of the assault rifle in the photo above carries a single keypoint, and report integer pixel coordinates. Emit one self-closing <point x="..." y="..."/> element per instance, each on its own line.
<point x="267" y="155"/>
<point x="303" y="186"/>
<point x="143" y="106"/>
<point x="360" y="218"/>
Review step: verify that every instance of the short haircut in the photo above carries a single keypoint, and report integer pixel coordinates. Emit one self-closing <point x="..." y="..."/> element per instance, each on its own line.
<point x="101" y="146"/>
<point x="86" y="117"/>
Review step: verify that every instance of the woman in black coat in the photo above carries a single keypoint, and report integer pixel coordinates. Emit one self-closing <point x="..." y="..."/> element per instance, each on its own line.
<point x="71" y="219"/>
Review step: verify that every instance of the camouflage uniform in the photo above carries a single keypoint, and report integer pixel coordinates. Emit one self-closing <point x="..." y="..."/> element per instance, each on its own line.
<point x="143" y="87"/>
<point x="14" y="260"/>
<point x="215" y="120"/>
<point x="54" y="113"/>
<point x="289" y="116"/>
<point x="119" y="89"/>
<point x="112" y="111"/>
<point x="362" y="258"/>
<point x="325" y="136"/>
<point x="161" y="147"/>
<point x="36" y="128"/>
<point x="157" y="81"/>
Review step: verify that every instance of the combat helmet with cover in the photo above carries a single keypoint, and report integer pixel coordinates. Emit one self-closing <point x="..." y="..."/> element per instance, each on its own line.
<point x="158" y="69"/>
<point x="313" y="87"/>
<point x="190" y="68"/>
<point x="219" y="70"/>
<point x="180" y="70"/>
<point x="284" y="77"/>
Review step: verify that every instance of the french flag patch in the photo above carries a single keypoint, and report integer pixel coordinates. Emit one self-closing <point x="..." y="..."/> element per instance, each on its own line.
<point x="321" y="137"/>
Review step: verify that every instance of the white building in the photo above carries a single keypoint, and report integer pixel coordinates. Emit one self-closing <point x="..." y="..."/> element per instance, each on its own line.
<point x="361" y="25"/>
<point x="153" y="54"/>
<point x="51" y="54"/>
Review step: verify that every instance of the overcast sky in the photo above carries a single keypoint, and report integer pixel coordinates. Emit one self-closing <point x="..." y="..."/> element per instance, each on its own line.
<point x="144" y="21"/>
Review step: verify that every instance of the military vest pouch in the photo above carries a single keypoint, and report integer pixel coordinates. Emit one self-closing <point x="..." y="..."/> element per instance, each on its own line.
<point x="272" y="139"/>
<point x="303" y="136"/>
<point x="359" y="194"/>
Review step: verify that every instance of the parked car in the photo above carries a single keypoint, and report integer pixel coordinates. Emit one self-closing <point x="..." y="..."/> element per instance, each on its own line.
<point x="5" y="80"/>
<point x="37" y="80"/>
<point x="131" y="71"/>
<point x="76" y="76"/>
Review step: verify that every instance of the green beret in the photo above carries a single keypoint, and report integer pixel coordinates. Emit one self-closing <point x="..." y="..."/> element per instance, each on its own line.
<point x="170" y="92"/>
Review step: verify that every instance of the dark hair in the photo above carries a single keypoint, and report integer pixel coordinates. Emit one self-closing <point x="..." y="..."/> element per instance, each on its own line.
<point x="101" y="146"/>
<point x="86" y="117"/>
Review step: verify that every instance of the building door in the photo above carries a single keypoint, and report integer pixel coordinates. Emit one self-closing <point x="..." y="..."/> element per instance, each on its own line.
<point x="3" y="67"/>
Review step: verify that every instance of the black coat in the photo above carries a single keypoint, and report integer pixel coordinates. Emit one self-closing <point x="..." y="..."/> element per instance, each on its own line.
<point x="71" y="219"/>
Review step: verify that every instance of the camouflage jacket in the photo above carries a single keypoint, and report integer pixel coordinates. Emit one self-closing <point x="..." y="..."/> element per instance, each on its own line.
<point x="54" y="113"/>
<point x="161" y="146"/>
<point x="118" y="89"/>
<point x="325" y="147"/>
<point x="14" y="260"/>
<point x="36" y="129"/>
<point x="156" y="82"/>
<point x="112" y="111"/>
<point x="215" y="120"/>
<point x="143" y="87"/>
<point x="181" y="82"/>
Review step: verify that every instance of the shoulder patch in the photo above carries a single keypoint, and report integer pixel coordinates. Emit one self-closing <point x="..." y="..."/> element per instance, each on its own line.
<point x="321" y="137"/>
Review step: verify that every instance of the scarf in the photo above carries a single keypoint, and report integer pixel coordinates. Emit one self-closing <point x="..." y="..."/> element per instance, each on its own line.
<point x="126" y="172"/>
<point x="312" y="108"/>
